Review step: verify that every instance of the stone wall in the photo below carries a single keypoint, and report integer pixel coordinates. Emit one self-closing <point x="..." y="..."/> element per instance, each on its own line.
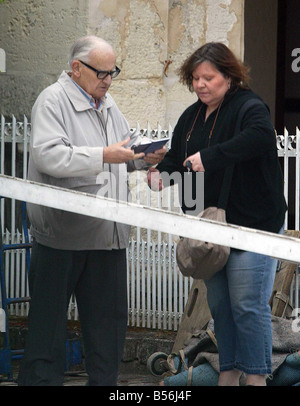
<point x="36" y="36"/>
<point x="151" y="39"/>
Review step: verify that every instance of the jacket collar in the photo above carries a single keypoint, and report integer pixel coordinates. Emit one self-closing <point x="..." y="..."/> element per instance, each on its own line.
<point x="76" y="97"/>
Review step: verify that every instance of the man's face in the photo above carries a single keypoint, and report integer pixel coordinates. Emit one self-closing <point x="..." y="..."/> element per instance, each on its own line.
<point x="102" y="60"/>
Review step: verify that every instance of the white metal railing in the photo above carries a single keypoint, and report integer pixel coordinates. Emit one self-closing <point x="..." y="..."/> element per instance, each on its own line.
<point x="157" y="291"/>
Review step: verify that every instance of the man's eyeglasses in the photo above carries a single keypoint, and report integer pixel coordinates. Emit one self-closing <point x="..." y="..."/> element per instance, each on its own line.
<point x="102" y="74"/>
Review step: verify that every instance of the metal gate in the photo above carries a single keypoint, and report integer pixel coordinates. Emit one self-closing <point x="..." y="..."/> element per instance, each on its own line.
<point x="157" y="292"/>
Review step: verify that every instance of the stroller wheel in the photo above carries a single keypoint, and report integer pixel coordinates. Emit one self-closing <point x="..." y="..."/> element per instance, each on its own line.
<point x="155" y="363"/>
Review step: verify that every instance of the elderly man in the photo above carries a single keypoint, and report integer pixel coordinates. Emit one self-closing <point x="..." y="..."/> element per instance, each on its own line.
<point x="80" y="141"/>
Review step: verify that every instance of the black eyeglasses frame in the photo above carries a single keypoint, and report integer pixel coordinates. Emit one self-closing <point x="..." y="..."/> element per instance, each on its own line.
<point x="113" y="73"/>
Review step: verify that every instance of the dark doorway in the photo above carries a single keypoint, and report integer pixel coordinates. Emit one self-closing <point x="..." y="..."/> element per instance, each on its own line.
<point x="272" y="50"/>
<point x="260" y="48"/>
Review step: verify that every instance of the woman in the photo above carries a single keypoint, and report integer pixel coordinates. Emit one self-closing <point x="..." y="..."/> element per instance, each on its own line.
<point x="238" y="295"/>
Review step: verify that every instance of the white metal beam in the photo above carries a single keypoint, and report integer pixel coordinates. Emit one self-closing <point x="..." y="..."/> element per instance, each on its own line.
<point x="278" y="246"/>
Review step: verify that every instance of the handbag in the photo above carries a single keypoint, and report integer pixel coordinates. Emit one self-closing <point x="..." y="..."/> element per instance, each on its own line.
<point x="201" y="259"/>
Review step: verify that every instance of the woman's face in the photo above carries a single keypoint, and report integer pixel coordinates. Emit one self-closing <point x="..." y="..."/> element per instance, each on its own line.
<point x="209" y="84"/>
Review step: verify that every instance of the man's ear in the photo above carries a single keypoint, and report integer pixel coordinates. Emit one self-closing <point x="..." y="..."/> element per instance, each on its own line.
<point x="76" y="68"/>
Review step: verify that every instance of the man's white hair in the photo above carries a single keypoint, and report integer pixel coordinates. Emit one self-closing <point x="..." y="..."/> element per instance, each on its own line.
<point x="83" y="46"/>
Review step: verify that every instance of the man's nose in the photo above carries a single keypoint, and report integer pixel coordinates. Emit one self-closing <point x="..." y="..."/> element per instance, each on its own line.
<point x="107" y="80"/>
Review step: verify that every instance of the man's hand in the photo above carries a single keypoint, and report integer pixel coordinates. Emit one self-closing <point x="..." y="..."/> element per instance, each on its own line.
<point x="118" y="153"/>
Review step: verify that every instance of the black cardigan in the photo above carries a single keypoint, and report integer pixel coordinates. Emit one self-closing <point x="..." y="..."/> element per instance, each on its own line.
<point x="256" y="197"/>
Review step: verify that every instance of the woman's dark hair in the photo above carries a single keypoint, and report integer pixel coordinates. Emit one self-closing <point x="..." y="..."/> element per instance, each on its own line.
<point x="222" y="58"/>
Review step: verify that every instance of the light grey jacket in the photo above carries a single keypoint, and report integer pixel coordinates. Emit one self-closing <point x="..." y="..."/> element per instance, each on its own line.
<point x="67" y="142"/>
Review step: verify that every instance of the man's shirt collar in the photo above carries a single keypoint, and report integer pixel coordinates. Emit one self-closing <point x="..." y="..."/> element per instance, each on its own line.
<point x="96" y="104"/>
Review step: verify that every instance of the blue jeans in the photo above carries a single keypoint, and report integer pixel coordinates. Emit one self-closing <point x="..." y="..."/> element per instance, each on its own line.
<point x="238" y="297"/>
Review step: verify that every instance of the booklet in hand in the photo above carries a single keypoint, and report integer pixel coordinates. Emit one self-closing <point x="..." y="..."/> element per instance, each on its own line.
<point x="150" y="146"/>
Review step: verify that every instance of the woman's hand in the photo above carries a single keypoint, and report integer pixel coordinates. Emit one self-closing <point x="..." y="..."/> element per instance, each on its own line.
<point x="154" y="180"/>
<point x="196" y="162"/>
<point x="155" y="157"/>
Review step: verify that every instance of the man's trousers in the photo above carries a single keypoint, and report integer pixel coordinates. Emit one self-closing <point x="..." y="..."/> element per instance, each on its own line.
<point x="99" y="281"/>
